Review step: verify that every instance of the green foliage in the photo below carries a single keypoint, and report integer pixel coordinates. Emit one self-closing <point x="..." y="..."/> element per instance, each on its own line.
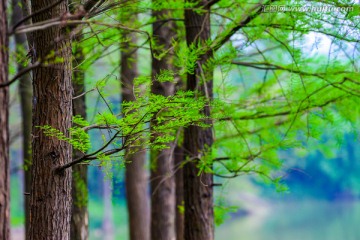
<point x="272" y="87"/>
<point x="166" y="76"/>
<point x="276" y="83"/>
<point x="187" y="57"/>
<point x="131" y="127"/>
<point x="81" y="190"/>
<point x="221" y="213"/>
<point x="181" y="208"/>
<point x="79" y="138"/>
<point x="78" y="120"/>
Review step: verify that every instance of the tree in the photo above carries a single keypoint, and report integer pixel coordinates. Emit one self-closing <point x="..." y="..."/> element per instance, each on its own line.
<point x="162" y="161"/>
<point x="50" y="196"/>
<point x="179" y="183"/>
<point x="80" y="216"/>
<point x="4" y="130"/>
<point x="136" y="176"/>
<point x="25" y="93"/>
<point x="198" y="189"/>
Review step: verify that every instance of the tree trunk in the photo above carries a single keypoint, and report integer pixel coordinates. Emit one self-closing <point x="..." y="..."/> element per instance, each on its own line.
<point x="4" y="129"/>
<point x="25" y="92"/>
<point x="50" y="196"/>
<point x="108" y="223"/>
<point x="163" y="204"/>
<point x="136" y="176"/>
<point x="80" y="217"/>
<point x="179" y="182"/>
<point x="198" y="192"/>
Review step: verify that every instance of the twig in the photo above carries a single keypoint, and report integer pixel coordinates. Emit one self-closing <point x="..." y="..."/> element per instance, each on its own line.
<point x="21" y="73"/>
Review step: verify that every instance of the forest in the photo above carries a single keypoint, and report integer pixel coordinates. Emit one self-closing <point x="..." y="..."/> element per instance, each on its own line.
<point x="179" y="120"/>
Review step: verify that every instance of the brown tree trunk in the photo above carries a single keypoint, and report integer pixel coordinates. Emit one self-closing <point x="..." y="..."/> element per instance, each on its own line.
<point x="4" y="129"/>
<point x="136" y="177"/>
<point x="50" y="196"/>
<point x="163" y="204"/>
<point x="25" y="92"/>
<point x="198" y="192"/>
<point x="80" y="217"/>
<point x="179" y="182"/>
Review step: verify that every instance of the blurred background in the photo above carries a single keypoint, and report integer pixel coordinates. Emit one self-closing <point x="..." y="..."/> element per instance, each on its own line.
<point x="318" y="198"/>
<point x="322" y="200"/>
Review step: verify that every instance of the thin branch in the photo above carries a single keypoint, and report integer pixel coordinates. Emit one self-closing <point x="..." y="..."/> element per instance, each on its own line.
<point x="91" y="4"/>
<point x="34" y="14"/>
<point x="86" y="7"/>
<point x="260" y="115"/>
<point x="271" y="66"/>
<point x="70" y="21"/>
<point x="210" y="3"/>
<point x="21" y="73"/>
<point x="78" y="96"/>
<point x="220" y="40"/>
<point x="87" y="156"/>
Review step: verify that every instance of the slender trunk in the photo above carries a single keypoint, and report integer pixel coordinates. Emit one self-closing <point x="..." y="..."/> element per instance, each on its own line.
<point x="25" y="92"/>
<point x="50" y="196"/>
<point x="108" y="223"/>
<point x="80" y="217"/>
<point x="179" y="182"/>
<point x="136" y="176"/>
<point x="4" y="129"/>
<point x="137" y="196"/>
<point x="198" y="192"/>
<point x="162" y="162"/>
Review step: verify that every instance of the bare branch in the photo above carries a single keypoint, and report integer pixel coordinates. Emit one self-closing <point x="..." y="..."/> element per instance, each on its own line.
<point x="21" y="73"/>
<point x="220" y="40"/>
<point x="86" y="7"/>
<point x="34" y="14"/>
<point x="210" y="3"/>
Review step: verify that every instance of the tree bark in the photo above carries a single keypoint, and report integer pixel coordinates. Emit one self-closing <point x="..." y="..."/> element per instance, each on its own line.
<point x="136" y="176"/>
<point x="25" y="93"/>
<point x="198" y="192"/>
<point x="80" y="217"/>
<point x="163" y="204"/>
<point x="50" y="196"/>
<point x="4" y="129"/>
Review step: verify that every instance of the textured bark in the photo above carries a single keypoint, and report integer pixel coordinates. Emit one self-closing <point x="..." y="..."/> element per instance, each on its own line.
<point x="136" y="177"/>
<point x="80" y="217"/>
<point x="50" y="196"/>
<point x="25" y="93"/>
<point x="4" y="129"/>
<point x="163" y="204"/>
<point x="179" y="182"/>
<point x="198" y="192"/>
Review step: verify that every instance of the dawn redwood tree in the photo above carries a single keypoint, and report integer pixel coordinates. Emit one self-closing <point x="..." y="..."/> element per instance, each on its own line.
<point x="162" y="181"/>
<point x="4" y="129"/>
<point x="50" y="196"/>
<point x="136" y="175"/>
<point x="25" y="93"/>
<point x="198" y="189"/>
